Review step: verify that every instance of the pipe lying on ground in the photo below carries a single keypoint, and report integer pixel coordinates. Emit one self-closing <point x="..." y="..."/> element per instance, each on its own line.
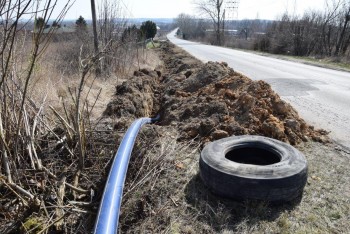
<point x="108" y="214"/>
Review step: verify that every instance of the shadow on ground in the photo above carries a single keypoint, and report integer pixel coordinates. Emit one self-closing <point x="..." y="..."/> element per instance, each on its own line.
<point x="224" y="214"/>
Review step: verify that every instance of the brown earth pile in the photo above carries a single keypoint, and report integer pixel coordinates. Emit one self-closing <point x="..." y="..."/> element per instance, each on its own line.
<point x="136" y="97"/>
<point x="210" y="101"/>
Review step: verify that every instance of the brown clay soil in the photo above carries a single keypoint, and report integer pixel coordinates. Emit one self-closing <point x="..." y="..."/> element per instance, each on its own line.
<point x="209" y="101"/>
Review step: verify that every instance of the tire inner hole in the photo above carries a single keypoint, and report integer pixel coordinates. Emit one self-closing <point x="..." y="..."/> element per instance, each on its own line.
<point x="253" y="155"/>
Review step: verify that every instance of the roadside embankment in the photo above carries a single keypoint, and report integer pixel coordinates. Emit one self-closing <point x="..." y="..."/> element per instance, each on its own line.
<point x="200" y="103"/>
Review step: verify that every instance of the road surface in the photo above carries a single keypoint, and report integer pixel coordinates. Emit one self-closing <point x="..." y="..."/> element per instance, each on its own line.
<point x="321" y="96"/>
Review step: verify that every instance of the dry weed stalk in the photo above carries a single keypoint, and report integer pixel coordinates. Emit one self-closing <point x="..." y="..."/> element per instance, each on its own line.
<point x="43" y="157"/>
<point x="23" y="126"/>
<point x="158" y="166"/>
<point x="18" y="119"/>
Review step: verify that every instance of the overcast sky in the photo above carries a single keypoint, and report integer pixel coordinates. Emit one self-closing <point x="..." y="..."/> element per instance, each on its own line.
<point x="248" y="9"/>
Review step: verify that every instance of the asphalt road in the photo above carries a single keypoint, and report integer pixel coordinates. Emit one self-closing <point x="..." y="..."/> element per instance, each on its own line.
<point x="321" y="96"/>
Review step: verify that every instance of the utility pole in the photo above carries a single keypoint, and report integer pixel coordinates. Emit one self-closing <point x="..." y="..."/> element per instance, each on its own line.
<point x="231" y="9"/>
<point x="94" y="28"/>
<point x="223" y="26"/>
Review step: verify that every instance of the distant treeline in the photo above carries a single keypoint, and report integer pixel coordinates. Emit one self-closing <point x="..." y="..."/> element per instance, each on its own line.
<point x="316" y="33"/>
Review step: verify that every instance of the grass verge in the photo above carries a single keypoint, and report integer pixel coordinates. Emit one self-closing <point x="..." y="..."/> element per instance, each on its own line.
<point x="173" y="199"/>
<point x="152" y="45"/>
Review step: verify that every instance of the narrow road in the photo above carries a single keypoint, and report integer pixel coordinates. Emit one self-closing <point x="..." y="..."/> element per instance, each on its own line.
<point x="321" y="96"/>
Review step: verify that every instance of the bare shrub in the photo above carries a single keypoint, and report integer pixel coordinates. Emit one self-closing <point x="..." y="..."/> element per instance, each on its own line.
<point x="316" y="33"/>
<point x="262" y="43"/>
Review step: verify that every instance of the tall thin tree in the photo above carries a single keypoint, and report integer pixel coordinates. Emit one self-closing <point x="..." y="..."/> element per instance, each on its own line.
<point x="94" y="28"/>
<point x="213" y="9"/>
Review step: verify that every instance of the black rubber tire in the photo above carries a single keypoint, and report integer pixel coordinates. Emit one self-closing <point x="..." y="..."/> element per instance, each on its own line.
<point x="278" y="182"/>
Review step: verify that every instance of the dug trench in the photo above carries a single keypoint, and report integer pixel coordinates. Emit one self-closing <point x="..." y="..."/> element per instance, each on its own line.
<point x="209" y="101"/>
<point x="199" y="103"/>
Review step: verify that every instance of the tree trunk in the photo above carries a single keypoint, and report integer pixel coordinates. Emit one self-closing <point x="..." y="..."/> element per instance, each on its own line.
<point x="345" y="45"/>
<point x="223" y="27"/>
<point x="94" y="28"/>
<point x="342" y="34"/>
<point x="218" y="38"/>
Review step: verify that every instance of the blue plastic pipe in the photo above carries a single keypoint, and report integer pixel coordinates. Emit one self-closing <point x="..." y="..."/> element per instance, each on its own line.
<point x="108" y="214"/>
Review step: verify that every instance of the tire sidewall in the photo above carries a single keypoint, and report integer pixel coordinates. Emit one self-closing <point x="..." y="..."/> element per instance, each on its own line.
<point x="282" y="181"/>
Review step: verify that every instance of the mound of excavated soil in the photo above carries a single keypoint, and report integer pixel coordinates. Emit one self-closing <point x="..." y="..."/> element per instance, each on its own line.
<point x="210" y="101"/>
<point x="136" y="97"/>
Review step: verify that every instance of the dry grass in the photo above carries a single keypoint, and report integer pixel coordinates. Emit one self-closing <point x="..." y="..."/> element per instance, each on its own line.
<point x="63" y="191"/>
<point x="156" y="180"/>
<point x="53" y="77"/>
<point x="173" y="198"/>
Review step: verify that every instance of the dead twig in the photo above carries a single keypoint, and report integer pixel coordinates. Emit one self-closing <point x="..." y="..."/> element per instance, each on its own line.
<point x="173" y="201"/>
<point x="74" y="188"/>
<point x="53" y="223"/>
<point x="60" y="196"/>
<point x="19" y="190"/>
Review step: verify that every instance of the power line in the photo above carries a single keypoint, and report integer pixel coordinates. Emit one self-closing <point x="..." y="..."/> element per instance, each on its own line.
<point x="231" y="9"/>
<point x="127" y="8"/>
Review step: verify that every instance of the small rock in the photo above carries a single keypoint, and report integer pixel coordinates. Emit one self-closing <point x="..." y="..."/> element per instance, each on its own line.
<point x="292" y="124"/>
<point x="180" y="93"/>
<point x="230" y="94"/>
<point x="282" y="108"/>
<point x="304" y="138"/>
<point x="192" y="133"/>
<point x="218" y="134"/>
<point x="246" y="101"/>
<point x="180" y="78"/>
<point x="153" y="74"/>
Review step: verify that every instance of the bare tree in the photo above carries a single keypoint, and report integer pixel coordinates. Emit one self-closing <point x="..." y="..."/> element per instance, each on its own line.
<point x="111" y="25"/>
<point x="20" y="116"/>
<point x="318" y="33"/>
<point x="190" y="26"/>
<point x="214" y="10"/>
<point x="94" y="29"/>
<point x="186" y="24"/>
<point x="342" y="41"/>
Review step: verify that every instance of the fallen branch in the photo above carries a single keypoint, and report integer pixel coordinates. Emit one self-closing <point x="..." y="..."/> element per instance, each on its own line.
<point x="17" y="190"/>
<point x="61" y="193"/>
<point x="80" y="190"/>
<point x="53" y="223"/>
